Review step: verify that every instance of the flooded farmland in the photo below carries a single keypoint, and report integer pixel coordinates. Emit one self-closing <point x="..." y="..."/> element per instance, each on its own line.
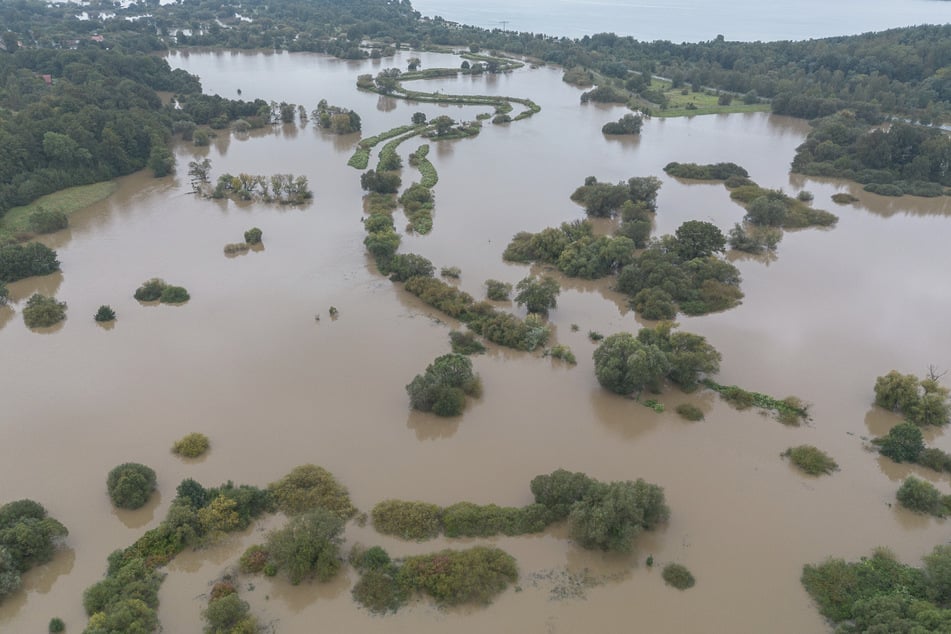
<point x="246" y="362"/>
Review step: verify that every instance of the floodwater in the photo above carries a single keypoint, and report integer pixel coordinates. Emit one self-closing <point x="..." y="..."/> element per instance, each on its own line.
<point x="691" y="20"/>
<point x="246" y="363"/>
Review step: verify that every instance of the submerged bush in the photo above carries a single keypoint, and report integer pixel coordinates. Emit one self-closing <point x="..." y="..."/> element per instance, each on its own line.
<point x="903" y="443"/>
<point x="236" y="248"/>
<point x="453" y="577"/>
<point x="150" y="290"/>
<point x="42" y="311"/>
<point x="689" y="412"/>
<point x="174" y="295"/>
<point x="105" y="313"/>
<point x="308" y="546"/>
<point x="191" y="445"/>
<point x="465" y="343"/>
<point x="44" y="221"/>
<point x="922" y="497"/>
<point x="309" y="487"/>
<point x="811" y="460"/>
<point x="678" y="576"/>
<point x="253" y="235"/>
<point x="57" y="625"/>
<point x="409" y="520"/>
<point x="130" y="485"/>
<point x="498" y="291"/>
<point x="253" y="560"/>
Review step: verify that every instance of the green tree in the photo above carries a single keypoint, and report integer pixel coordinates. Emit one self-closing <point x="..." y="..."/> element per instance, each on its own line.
<point x="229" y="615"/>
<point x="19" y="261"/>
<point x="418" y="118"/>
<point x="625" y="365"/>
<point x="904" y="443"/>
<point x="537" y="295"/>
<point x="308" y="547"/>
<point x="938" y="575"/>
<point x="442" y="388"/>
<point x="560" y="490"/>
<point x="611" y="515"/>
<point x="698" y="239"/>
<point x="42" y="311"/>
<point x="130" y="485"/>
<point x="896" y="392"/>
<point x="921" y="497"/>
<point x="253" y="235"/>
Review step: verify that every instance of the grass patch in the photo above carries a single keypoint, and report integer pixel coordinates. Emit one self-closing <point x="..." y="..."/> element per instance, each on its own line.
<point x="811" y="460"/>
<point x="428" y="175"/>
<point x="789" y="411"/>
<point x="66" y="201"/>
<point x="697" y="103"/>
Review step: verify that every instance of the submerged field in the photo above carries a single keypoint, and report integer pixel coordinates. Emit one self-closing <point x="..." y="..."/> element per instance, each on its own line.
<point x="246" y="363"/>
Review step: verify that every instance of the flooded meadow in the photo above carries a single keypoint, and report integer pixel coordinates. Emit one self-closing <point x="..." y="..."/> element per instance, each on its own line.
<point x="247" y="362"/>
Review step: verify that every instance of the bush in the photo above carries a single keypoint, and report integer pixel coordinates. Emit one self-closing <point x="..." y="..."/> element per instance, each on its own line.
<point x="562" y="352"/>
<point x="253" y="559"/>
<point x="310" y="487"/>
<point x="380" y="591"/>
<point x="442" y="389"/>
<point x="174" y="295"/>
<point x="150" y="290"/>
<point x="689" y="412"/>
<point x="465" y="343"/>
<point x="105" y="313"/>
<point x="42" y="311"/>
<point x="229" y="614"/>
<point x="678" y="576"/>
<point x="498" y="291"/>
<point x="408" y="520"/>
<point x="234" y="248"/>
<point x="811" y="460"/>
<point x="130" y="485"/>
<point x="191" y="445"/>
<point x="453" y="577"/>
<point x="253" y="235"/>
<point x="308" y="546"/>
<point x="936" y="459"/>
<point x="922" y="497"/>
<point x="44" y="221"/>
<point x="57" y="625"/>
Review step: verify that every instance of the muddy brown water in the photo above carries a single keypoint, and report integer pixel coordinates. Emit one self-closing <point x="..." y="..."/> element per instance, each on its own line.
<point x="246" y="363"/>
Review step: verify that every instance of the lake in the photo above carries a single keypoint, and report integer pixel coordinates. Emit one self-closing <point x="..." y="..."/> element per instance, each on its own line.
<point x="246" y="363"/>
<point x="691" y="20"/>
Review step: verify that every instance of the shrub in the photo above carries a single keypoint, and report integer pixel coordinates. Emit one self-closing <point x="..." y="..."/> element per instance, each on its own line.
<point x="498" y="291"/>
<point x="308" y="546"/>
<point x="678" y="576"/>
<point x="465" y="343"/>
<point x="191" y="445"/>
<point x="922" y="497"/>
<point x="44" y="221"/>
<point x="130" y="485"/>
<point x="689" y="412"/>
<point x="253" y="560"/>
<point x="42" y="311"/>
<point x="562" y="352"/>
<point x="57" y="625"/>
<point x="409" y="520"/>
<point x="380" y="591"/>
<point x="253" y="235"/>
<point x="310" y="487"/>
<point x="174" y="295"/>
<point x="150" y="290"/>
<point x="453" y="577"/>
<point x="221" y="589"/>
<point x="105" y="313"/>
<point x="811" y="460"/>
<point x="904" y="443"/>
<point x="843" y="198"/>
<point x="235" y="248"/>
<point x="934" y="458"/>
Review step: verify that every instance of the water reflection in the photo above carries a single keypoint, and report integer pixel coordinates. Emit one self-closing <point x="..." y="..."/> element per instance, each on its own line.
<point x="385" y="104"/>
<point x="43" y="284"/>
<point x="624" y="416"/>
<point x="431" y="427"/>
<point x="299" y="597"/>
<point x="42" y="578"/>
<point x="139" y="517"/>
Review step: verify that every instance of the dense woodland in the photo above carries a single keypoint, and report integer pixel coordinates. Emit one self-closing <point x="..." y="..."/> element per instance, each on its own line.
<point x="78" y="102"/>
